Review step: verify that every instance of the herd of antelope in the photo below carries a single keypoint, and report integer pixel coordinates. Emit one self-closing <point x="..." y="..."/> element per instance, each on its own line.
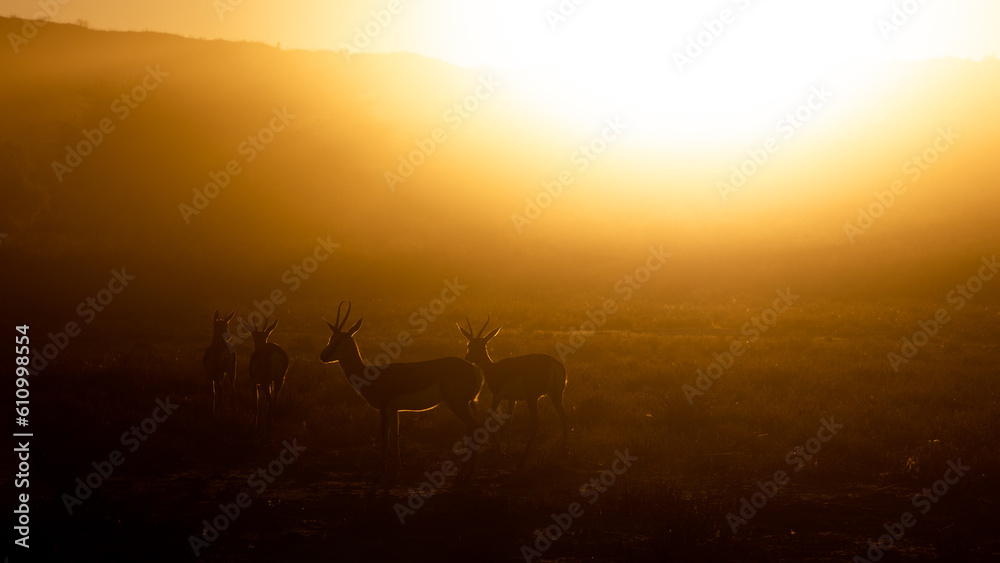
<point x="394" y="387"/>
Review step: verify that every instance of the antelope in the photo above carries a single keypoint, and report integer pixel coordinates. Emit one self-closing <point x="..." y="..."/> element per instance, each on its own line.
<point x="220" y="362"/>
<point x="407" y="387"/>
<point x="268" y="364"/>
<point x="521" y="378"/>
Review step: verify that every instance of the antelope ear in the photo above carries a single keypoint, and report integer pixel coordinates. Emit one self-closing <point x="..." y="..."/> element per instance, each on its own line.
<point x="329" y="324"/>
<point x="268" y="330"/>
<point x="355" y="328"/>
<point x="230" y="316"/>
<point x="493" y="333"/>
<point x="216" y="317"/>
<point x="246" y="326"/>
<point x="465" y="333"/>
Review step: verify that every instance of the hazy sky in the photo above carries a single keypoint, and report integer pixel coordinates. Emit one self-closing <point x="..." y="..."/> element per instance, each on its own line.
<point x="520" y="32"/>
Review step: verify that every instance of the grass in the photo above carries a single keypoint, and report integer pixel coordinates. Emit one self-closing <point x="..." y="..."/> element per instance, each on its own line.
<point x="695" y="464"/>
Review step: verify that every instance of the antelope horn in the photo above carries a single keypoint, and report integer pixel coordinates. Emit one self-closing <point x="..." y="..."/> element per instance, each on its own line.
<point x="337" y="323"/>
<point x="468" y="322"/>
<point x="480" y="335"/>
<point x="347" y="314"/>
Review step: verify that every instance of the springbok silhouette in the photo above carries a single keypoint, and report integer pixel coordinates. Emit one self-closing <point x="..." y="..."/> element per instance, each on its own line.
<point x="220" y="363"/>
<point x="268" y="365"/>
<point x="408" y="387"/>
<point x="521" y="378"/>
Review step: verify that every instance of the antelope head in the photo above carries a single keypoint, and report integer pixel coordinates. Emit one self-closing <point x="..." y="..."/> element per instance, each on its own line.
<point x="477" y="344"/>
<point x="341" y="342"/>
<point x="220" y="325"/>
<point x="259" y="335"/>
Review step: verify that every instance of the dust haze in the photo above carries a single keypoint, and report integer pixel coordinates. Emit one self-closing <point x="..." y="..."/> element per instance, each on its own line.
<point x="715" y="302"/>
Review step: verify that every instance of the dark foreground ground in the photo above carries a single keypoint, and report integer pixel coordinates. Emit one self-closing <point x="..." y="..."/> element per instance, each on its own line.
<point x="695" y="462"/>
